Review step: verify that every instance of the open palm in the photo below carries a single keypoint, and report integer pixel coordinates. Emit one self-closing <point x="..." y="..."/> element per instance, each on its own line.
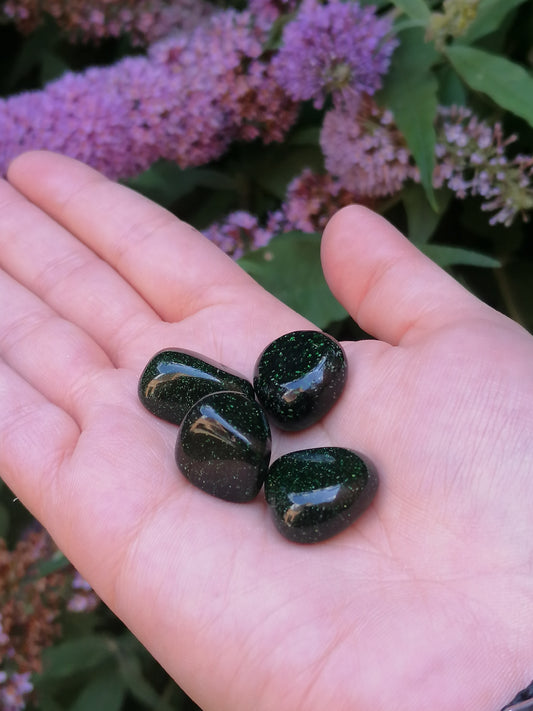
<point x="426" y="602"/>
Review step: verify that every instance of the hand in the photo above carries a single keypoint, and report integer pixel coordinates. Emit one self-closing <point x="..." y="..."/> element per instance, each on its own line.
<point x="425" y="602"/>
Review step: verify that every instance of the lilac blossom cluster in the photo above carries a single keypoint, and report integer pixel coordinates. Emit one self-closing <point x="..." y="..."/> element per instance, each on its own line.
<point x="370" y="158"/>
<point x="312" y="198"/>
<point x="82" y="597"/>
<point x="187" y="100"/>
<point x="30" y="609"/>
<point x="365" y="150"/>
<point x="240" y="232"/>
<point x="367" y="159"/>
<point x="143" y="20"/>
<point x="196" y="92"/>
<point x="15" y="687"/>
<point x="14" y="690"/>
<point x="472" y="160"/>
<point x="338" y="48"/>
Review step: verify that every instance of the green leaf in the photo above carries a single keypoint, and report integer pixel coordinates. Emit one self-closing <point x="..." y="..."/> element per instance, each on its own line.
<point x="71" y="657"/>
<point x="490" y="15"/>
<point x="104" y="693"/>
<point x="131" y="674"/>
<point x="274" y="40"/>
<point x="55" y="563"/>
<point x="445" y="256"/>
<point x="505" y="82"/>
<point x="4" y="521"/>
<point x="416" y="9"/>
<point x="515" y="285"/>
<point x="37" y="47"/>
<point x="47" y="702"/>
<point x="273" y="170"/>
<point x="376" y="3"/>
<point x="165" y="182"/>
<point x="410" y="92"/>
<point x="290" y="268"/>
<point x="452" y="91"/>
<point x="422" y="220"/>
<point x="306" y="136"/>
<point x="52" y="67"/>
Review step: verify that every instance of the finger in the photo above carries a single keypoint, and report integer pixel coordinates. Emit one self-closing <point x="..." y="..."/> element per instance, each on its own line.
<point x="90" y="488"/>
<point x="174" y="268"/>
<point x="391" y="289"/>
<point x="43" y="256"/>
<point x="28" y="418"/>
<point x="56" y="357"/>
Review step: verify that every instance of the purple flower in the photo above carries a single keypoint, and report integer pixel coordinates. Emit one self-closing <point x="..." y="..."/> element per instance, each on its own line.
<point x="365" y="151"/>
<point x="311" y="200"/>
<point x="472" y="161"/>
<point x="96" y="117"/>
<point x="84" y="599"/>
<point x="14" y="690"/>
<point x="30" y="608"/>
<point x="265" y="110"/>
<point x="186" y="101"/>
<point x="238" y="233"/>
<point x="339" y="47"/>
<point x="369" y="157"/>
<point x="144" y="20"/>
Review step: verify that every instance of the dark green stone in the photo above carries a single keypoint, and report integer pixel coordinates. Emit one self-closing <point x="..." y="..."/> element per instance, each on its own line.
<point x="298" y="377"/>
<point x="175" y="379"/>
<point x="314" y="494"/>
<point x="223" y="446"/>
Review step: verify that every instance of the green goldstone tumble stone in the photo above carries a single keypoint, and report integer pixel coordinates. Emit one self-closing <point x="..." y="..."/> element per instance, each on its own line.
<point x="298" y="377"/>
<point x="223" y="446"/>
<point x="314" y="494"/>
<point x="174" y="380"/>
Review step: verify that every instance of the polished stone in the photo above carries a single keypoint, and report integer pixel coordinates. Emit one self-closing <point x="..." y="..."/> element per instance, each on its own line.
<point x="173" y="380"/>
<point x="314" y="494"/>
<point x="223" y="446"/>
<point x="298" y="378"/>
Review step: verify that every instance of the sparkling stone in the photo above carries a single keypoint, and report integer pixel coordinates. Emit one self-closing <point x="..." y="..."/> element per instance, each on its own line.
<point x="223" y="446"/>
<point x="298" y="377"/>
<point x="314" y="494"/>
<point x="174" y="380"/>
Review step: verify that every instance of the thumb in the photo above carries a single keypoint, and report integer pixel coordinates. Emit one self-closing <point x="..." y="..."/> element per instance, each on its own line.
<point x="385" y="283"/>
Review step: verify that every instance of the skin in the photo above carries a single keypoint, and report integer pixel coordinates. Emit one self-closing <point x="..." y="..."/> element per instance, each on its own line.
<point x="426" y="602"/>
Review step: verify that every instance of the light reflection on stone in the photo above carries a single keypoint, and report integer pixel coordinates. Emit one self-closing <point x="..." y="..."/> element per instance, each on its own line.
<point x="212" y="425"/>
<point x="308" y="499"/>
<point x="308" y="382"/>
